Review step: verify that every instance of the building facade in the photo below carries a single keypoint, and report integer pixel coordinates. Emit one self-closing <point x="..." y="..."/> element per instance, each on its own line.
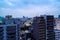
<point x="43" y="27"/>
<point x="9" y="32"/>
<point x="57" y="23"/>
<point x="57" y="34"/>
<point x="10" y="28"/>
<point x="57" y="29"/>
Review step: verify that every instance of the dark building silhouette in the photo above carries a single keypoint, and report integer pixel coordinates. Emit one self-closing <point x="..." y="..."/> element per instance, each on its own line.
<point x="59" y="16"/>
<point x="43" y="27"/>
<point x="1" y="33"/>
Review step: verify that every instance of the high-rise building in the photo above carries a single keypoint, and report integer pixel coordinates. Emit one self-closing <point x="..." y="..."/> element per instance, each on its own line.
<point x="57" y="29"/>
<point x="57" y="23"/>
<point x="9" y="32"/>
<point x="39" y="28"/>
<point x="10" y="28"/>
<point x="43" y="27"/>
<point x="1" y="33"/>
<point x="50" y="27"/>
<point x="57" y="34"/>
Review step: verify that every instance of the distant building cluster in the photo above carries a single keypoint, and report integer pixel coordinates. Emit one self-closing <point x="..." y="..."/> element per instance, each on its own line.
<point x="44" y="27"/>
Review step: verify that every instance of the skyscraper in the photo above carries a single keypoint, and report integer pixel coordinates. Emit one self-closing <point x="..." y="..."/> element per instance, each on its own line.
<point x="43" y="27"/>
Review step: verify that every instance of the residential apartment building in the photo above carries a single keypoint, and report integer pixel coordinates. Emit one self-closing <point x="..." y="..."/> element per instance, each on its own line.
<point x="43" y="27"/>
<point x="9" y="32"/>
<point x="9" y="28"/>
<point x="57" y="28"/>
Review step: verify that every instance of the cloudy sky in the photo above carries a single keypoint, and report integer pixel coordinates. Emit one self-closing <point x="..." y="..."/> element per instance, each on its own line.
<point x="30" y="8"/>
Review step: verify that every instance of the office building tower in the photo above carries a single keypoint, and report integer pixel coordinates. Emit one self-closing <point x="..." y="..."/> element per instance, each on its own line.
<point x="43" y="27"/>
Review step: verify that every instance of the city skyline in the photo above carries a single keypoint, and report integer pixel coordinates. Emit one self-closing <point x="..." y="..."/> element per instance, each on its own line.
<point x="30" y="8"/>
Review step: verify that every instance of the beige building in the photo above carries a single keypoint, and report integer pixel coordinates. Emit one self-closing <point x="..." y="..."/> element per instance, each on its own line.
<point x="57" y="23"/>
<point x="57" y="29"/>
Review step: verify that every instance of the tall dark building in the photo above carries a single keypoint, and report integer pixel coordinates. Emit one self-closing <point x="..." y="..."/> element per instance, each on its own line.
<point x="43" y="27"/>
<point x="1" y="33"/>
<point x="50" y="27"/>
<point x="58" y="16"/>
